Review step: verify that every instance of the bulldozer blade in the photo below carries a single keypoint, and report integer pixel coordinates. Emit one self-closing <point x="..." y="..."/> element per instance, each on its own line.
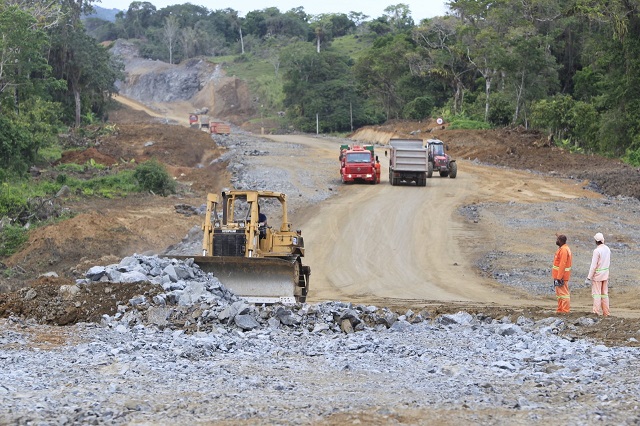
<point x="258" y="280"/>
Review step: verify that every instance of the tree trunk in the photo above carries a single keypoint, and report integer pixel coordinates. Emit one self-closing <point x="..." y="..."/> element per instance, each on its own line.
<point x="487" y="91"/>
<point x="519" y="94"/>
<point x="241" y="40"/>
<point x="76" y="96"/>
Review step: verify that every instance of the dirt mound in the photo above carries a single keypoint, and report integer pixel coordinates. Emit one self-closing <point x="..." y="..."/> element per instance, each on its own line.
<point x="54" y="301"/>
<point x="85" y="156"/>
<point x="104" y="230"/>
<point x="139" y="223"/>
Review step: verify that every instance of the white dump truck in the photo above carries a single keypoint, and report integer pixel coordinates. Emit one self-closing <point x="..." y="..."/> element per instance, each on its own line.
<point x="408" y="162"/>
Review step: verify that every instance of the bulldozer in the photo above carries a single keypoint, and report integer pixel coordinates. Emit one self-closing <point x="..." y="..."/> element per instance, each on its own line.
<point x="257" y="262"/>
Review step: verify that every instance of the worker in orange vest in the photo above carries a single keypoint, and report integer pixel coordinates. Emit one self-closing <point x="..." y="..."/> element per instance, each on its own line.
<point x="377" y="170"/>
<point x="561" y="272"/>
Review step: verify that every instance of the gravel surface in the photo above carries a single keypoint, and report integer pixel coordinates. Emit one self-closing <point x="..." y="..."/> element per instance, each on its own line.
<point x="196" y="352"/>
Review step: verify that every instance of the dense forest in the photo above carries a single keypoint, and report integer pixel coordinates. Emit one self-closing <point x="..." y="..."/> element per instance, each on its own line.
<point x="569" y="68"/>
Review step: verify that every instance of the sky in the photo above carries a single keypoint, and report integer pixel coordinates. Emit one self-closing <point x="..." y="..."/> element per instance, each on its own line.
<point x="420" y="9"/>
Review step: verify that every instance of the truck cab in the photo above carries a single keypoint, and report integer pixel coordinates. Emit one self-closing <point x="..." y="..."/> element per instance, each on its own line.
<point x="357" y="164"/>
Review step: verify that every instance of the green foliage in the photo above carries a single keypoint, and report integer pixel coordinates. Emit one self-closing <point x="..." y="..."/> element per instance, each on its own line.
<point x="467" y="124"/>
<point x="71" y="167"/>
<point x="61" y="179"/>
<point x="418" y="108"/>
<point x="351" y="45"/>
<point x="152" y="176"/>
<point x="13" y="199"/>
<point x="51" y="153"/>
<point x="16" y="148"/>
<point x="574" y="122"/>
<point x="632" y="157"/>
<point x="320" y="90"/>
<point x="110" y="186"/>
<point x="269" y="92"/>
<point x="11" y="239"/>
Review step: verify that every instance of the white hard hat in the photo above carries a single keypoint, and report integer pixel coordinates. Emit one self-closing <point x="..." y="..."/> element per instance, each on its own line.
<point x="599" y="237"/>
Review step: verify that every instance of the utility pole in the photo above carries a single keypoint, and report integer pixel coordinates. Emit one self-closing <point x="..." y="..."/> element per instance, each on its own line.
<point x="351" y="115"/>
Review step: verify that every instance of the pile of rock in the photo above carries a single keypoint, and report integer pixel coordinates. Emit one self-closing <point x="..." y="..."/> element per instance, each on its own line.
<point x="196" y="301"/>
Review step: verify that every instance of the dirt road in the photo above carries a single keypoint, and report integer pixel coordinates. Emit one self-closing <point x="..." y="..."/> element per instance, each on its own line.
<point x="383" y="244"/>
<point x="174" y="111"/>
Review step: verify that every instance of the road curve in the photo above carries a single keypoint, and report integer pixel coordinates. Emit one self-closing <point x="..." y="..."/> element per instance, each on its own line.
<point x="380" y="242"/>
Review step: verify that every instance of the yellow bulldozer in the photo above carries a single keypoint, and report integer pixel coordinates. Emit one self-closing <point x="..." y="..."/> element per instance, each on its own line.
<point x="258" y="262"/>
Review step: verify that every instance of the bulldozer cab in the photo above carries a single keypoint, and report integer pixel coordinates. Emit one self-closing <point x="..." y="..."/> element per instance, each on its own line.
<point x="259" y="262"/>
<point x="236" y="216"/>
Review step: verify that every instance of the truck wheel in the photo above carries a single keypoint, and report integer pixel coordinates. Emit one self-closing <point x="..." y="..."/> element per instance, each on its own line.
<point x="430" y="169"/>
<point x="453" y="170"/>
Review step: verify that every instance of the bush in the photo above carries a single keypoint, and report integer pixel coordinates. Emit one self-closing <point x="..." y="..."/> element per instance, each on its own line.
<point x="152" y="176"/>
<point x="466" y="124"/>
<point x="12" y="200"/>
<point x="418" y="108"/>
<point x="11" y="238"/>
<point x="632" y="157"/>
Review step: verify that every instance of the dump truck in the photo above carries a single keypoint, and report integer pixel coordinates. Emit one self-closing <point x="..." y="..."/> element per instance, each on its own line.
<point x="218" y="128"/>
<point x="258" y="262"/>
<point x="408" y="162"/>
<point x="357" y="164"/>
<point x="439" y="160"/>
<point x="204" y="123"/>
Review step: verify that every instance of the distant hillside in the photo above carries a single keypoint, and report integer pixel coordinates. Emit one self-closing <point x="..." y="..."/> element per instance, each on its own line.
<point x="104" y="14"/>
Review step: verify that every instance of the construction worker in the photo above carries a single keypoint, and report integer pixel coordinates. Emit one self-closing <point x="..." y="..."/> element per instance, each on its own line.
<point x="561" y="272"/>
<point x="598" y="276"/>
<point x="377" y="170"/>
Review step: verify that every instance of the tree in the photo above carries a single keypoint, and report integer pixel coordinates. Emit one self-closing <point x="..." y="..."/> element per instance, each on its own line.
<point x="189" y="41"/>
<point x="170" y="32"/>
<point x="357" y="17"/>
<point x="531" y="70"/>
<point x="138" y="18"/>
<point x="399" y="16"/>
<point x="87" y="67"/>
<point x="322" y="28"/>
<point x="441" y="57"/>
<point x="322" y="84"/>
<point x="380" y="71"/>
<point x="237" y="24"/>
<point x="21" y="61"/>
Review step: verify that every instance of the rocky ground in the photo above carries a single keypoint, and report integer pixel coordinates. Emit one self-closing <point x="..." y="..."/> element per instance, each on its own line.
<point x="184" y="350"/>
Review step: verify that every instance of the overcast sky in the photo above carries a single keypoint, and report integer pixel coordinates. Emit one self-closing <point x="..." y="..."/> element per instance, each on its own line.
<point x="420" y="9"/>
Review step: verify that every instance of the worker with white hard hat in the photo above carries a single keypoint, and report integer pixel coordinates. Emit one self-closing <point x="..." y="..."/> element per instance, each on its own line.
<point x="598" y="276"/>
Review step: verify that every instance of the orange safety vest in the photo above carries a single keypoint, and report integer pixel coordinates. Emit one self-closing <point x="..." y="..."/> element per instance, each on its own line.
<point x="562" y="264"/>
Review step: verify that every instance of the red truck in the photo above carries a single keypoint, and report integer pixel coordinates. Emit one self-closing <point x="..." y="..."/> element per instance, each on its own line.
<point x="357" y="164"/>
<point x="219" y="128"/>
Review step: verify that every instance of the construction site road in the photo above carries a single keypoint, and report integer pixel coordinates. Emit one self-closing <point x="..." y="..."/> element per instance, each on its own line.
<point x="383" y="244"/>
